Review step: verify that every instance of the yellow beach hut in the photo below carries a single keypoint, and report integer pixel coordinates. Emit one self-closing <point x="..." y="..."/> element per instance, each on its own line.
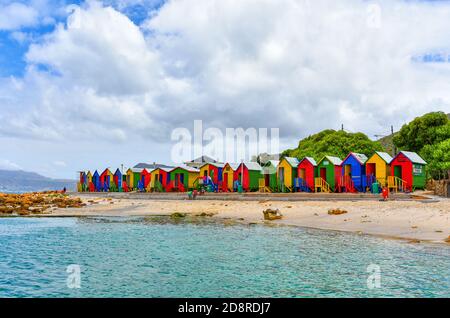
<point x="378" y="167"/>
<point x="286" y="172"/>
<point x="228" y="176"/>
<point x="160" y="179"/>
<point x="88" y="177"/>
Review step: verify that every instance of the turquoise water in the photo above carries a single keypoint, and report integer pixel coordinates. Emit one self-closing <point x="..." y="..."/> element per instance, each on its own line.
<point x="134" y="258"/>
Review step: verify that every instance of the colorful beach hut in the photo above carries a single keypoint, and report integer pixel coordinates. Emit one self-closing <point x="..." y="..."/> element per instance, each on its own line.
<point x="248" y="175"/>
<point x="286" y="173"/>
<point x="328" y="172"/>
<point x="88" y="177"/>
<point x="160" y="178"/>
<point x="145" y="178"/>
<point x="82" y="181"/>
<point x="118" y="178"/>
<point x="378" y="167"/>
<point x="133" y="177"/>
<point x="228" y="177"/>
<point x="95" y="182"/>
<point x="306" y="172"/>
<point x="353" y="176"/>
<point x="269" y="171"/>
<point x="407" y="172"/>
<point x="213" y="170"/>
<point x="106" y="180"/>
<point x="182" y="178"/>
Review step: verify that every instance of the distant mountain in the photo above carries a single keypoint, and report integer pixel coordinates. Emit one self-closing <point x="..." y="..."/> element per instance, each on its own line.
<point x="18" y="181"/>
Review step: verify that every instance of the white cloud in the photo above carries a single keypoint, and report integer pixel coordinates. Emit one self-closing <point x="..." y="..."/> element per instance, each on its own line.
<point x="8" y="165"/>
<point x="16" y="15"/>
<point x="60" y="163"/>
<point x="298" y="65"/>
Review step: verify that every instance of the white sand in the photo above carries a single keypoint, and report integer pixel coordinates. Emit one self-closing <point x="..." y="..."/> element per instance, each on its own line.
<point x="395" y="219"/>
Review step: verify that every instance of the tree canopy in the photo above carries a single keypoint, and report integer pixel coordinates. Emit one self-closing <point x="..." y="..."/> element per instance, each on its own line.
<point x="334" y="143"/>
<point x="428" y="129"/>
<point x="429" y="136"/>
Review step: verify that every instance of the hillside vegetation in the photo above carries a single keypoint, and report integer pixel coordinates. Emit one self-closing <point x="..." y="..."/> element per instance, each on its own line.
<point x="336" y="143"/>
<point x="428" y="135"/>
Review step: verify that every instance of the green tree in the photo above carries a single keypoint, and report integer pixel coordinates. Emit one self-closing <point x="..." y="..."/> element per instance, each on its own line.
<point x="428" y="129"/>
<point x="438" y="158"/>
<point x="334" y="143"/>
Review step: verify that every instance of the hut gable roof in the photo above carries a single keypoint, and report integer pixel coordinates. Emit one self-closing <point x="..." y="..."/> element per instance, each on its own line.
<point x="187" y="168"/>
<point x="292" y="161"/>
<point x="151" y="166"/>
<point x="414" y="157"/>
<point x="203" y="159"/>
<point x="164" y="169"/>
<point x="358" y="156"/>
<point x="273" y="163"/>
<point x="135" y="170"/>
<point x="310" y="159"/>
<point x="252" y="166"/>
<point x="385" y="156"/>
<point x="233" y="166"/>
<point x="334" y="160"/>
<point x="218" y="165"/>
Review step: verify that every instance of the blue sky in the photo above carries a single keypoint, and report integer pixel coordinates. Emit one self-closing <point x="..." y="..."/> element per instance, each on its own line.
<point x="87" y="85"/>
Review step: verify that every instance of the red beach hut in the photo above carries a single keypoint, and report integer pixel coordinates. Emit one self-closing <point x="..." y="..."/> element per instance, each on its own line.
<point x="306" y="172"/>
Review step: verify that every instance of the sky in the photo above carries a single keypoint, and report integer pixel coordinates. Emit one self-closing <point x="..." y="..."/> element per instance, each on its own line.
<point x="96" y="84"/>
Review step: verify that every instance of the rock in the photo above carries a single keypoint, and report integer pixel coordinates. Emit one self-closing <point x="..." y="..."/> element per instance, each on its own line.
<point x="414" y="241"/>
<point x="271" y="214"/>
<point x="205" y="214"/>
<point x="336" y="212"/>
<point x="447" y="240"/>
<point x="178" y="215"/>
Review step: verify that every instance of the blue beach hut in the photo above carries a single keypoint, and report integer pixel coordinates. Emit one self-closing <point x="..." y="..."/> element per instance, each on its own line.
<point x="353" y="173"/>
<point x="96" y="180"/>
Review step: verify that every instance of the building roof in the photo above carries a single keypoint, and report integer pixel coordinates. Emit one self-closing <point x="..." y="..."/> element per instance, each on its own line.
<point x="136" y="170"/>
<point x="385" y="156"/>
<point x="310" y="159"/>
<point x="203" y="159"/>
<point x="252" y="165"/>
<point x="216" y="164"/>
<point x="414" y="157"/>
<point x="274" y="163"/>
<point x="292" y="161"/>
<point x="334" y="160"/>
<point x="187" y="168"/>
<point x="151" y="166"/>
<point x="362" y="158"/>
<point x="233" y="166"/>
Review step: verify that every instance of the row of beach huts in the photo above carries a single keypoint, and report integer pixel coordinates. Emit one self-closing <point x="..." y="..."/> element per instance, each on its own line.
<point x="356" y="173"/>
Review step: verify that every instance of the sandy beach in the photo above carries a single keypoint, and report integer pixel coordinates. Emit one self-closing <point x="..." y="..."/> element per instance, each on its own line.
<point x="411" y="220"/>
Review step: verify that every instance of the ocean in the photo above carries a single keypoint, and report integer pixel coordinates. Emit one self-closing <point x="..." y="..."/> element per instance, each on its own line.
<point x="139" y="257"/>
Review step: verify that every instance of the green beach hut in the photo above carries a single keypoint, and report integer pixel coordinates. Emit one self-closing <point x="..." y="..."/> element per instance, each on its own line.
<point x="329" y="170"/>
<point x="269" y="171"/>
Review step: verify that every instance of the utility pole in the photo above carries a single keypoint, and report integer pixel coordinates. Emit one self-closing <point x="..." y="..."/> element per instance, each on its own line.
<point x="394" y="149"/>
<point x="342" y="127"/>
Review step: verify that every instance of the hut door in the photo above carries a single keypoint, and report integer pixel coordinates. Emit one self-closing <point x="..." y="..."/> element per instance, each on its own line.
<point x="347" y="170"/>
<point x="323" y="173"/>
<point x="182" y="178"/>
<point x="267" y="180"/>
<point x="281" y="172"/>
<point x="302" y="173"/>
<point x="398" y="171"/>
<point x="225" y="178"/>
<point x="371" y="169"/>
